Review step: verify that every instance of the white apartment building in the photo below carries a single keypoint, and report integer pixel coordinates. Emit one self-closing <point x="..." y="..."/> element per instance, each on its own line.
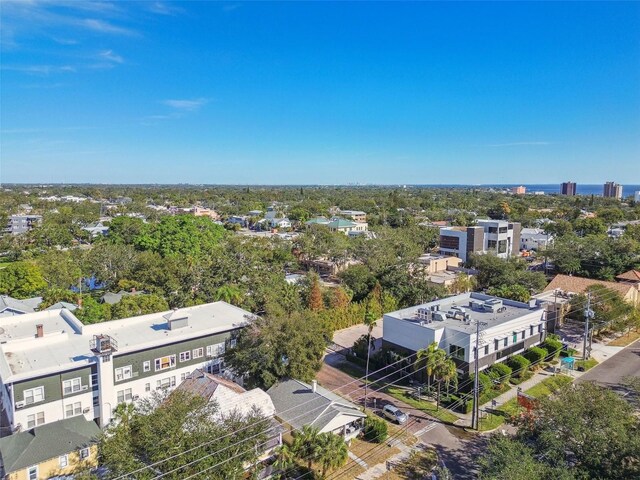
<point x="497" y="236"/>
<point x="54" y="367"/>
<point x="509" y="328"/>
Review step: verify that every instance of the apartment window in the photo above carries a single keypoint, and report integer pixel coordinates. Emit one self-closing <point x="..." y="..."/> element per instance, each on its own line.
<point x="96" y="401"/>
<point x="183" y="377"/>
<point x="232" y="343"/>
<point x="72" y="386"/>
<point x="166" y="382"/>
<point x="164" y="363"/>
<point x="125" y="395"/>
<point x="540" y="328"/>
<point x="523" y="333"/>
<point x="503" y="230"/>
<point x="35" y="419"/>
<point x="63" y="461"/>
<point x="147" y="387"/>
<point x="515" y="337"/>
<point x="185" y="356"/>
<point x="216" y="350"/>
<point x="198" y="352"/>
<point x="146" y="366"/>
<point x="493" y="229"/>
<point x="531" y="330"/>
<point x="123" y="373"/>
<point x="32" y="473"/>
<point x="506" y="341"/>
<point x="486" y="349"/>
<point x="502" y="246"/>
<point x="94" y="379"/>
<point x="73" y="410"/>
<point x="495" y="345"/>
<point x="34" y="395"/>
<point x="84" y="453"/>
<point x="456" y="351"/>
<point x="491" y="244"/>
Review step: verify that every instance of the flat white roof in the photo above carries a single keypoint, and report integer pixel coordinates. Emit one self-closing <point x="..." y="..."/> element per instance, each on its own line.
<point x="65" y="343"/>
<point x="513" y="310"/>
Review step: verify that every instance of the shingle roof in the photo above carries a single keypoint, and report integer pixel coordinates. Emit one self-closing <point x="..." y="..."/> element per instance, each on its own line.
<point x="205" y="384"/>
<point x="21" y="450"/>
<point x="297" y="405"/>
<point x="630" y="276"/>
<point x="27" y="305"/>
<point x="572" y="284"/>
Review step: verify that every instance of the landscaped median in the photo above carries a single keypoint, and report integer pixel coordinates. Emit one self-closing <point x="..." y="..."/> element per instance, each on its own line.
<point x="509" y="409"/>
<point x="429" y="408"/>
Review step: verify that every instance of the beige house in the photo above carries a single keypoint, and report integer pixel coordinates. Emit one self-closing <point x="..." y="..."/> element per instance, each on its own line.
<point x="54" y="449"/>
<point x="565" y="285"/>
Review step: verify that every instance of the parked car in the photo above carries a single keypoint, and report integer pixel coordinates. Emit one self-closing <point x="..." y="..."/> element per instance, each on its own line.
<point x="394" y="414"/>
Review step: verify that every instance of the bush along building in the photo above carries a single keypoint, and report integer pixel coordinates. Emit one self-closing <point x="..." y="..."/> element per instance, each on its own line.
<point x="53" y="367"/>
<point x="507" y="328"/>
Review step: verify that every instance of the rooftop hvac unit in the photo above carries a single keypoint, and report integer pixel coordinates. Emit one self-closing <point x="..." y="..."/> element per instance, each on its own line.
<point x="439" y="316"/>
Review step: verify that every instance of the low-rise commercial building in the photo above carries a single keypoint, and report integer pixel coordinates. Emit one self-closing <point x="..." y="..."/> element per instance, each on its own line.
<point x="534" y="239"/>
<point x="355" y="215"/>
<point x="53" y="367"/>
<point x="507" y="328"/>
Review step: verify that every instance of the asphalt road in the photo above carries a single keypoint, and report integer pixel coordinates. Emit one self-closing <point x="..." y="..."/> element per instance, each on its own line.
<point x="459" y="450"/>
<point x="611" y="373"/>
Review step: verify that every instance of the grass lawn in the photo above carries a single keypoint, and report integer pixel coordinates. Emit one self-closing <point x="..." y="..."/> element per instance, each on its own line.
<point x="372" y="453"/>
<point x="511" y="407"/>
<point x="625" y="340"/>
<point x="586" y="364"/>
<point x="348" y="471"/>
<point x="427" y="407"/>
<point x="417" y="466"/>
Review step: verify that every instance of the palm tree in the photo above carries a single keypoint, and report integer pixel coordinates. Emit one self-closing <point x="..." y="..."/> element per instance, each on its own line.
<point x="463" y="283"/>
<point x="285" y="457"/>
<point x="331" y="452"/>
<point x="228" y="293"/>
<point x="305" y="444"/>
<point x="444" y="371"/>
<point x="428" y="358"/>
<point x="370" y="321"/>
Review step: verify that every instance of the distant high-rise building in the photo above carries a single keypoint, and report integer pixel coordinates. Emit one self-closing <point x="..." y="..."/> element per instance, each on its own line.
<point x="612" y="190"/>
<point x="519" y="190"/>
<point x="636" y="196"/>
<point x="568" y="188"/>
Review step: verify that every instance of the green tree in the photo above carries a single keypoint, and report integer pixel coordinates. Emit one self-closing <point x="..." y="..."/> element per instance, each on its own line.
<point x="360" y="281"/>
<point x="153" y="431"/>
<point x="21" y="280"/>
<point x="331" y="452"/>
<point x="90" y="311"/>
<point x="134" y="305"/>
<point x="230" y="294"/>
<point x="513" y="292"/>
<point x="587" y="428"/>
<point x="274" y="348"/>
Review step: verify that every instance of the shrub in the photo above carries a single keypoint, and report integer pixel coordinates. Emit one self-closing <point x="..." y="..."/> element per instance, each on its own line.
<point x="552" y="346"/>
<point x="535" y="354"/>
<point x="500" y="372"/>
<point x="518" y="364"/>
<point x="375" y="430"/>
<point x="484" y="381"/>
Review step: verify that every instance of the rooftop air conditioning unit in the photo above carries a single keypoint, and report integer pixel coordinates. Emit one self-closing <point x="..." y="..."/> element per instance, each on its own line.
<point x="20" y="404"/>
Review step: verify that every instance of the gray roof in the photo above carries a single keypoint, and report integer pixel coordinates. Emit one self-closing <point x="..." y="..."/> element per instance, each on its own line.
<point x="28" y="305"/>
<point x="24" y="449"/>
<point x="69" y="306"/>
<point x="297" y="405"/>
<point x="113" y="298"/>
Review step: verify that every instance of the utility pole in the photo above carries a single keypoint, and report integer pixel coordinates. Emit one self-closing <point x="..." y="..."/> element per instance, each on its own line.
<point x="476" y="390"/>
<point x="588" y="313"/>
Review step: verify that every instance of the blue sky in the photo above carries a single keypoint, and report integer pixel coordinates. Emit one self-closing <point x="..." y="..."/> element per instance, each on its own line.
<point x="204" y="92"/>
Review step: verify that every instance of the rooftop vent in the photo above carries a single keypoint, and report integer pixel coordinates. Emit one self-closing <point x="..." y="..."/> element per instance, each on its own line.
<point x="177" y="319"/>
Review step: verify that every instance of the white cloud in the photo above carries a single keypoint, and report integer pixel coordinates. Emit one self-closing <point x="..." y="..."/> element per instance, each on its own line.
<point x="103" y="26"/>
<point x="186" y="105"/>
<point x="110" y="56"/>
<point x="40" y="69"/>
<point x="162" y="8"/>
